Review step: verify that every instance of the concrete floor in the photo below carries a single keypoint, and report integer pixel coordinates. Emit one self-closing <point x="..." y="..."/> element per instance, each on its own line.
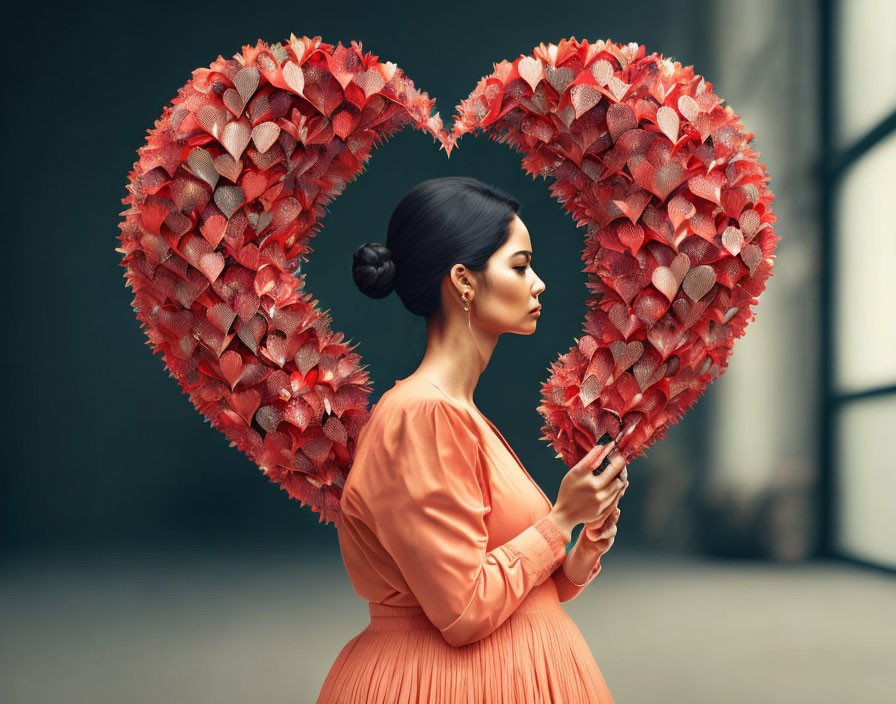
<point x="204" y="627"/>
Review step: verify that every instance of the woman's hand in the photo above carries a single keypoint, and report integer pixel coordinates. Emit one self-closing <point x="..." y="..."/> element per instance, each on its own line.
<point x="601" y="533"/>
<point x="585" y="497"/>
<point x="598" y="537"/>
<point x="594" y="540"/>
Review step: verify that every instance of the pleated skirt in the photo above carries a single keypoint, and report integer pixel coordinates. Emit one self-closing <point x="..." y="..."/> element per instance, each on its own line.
<point x="537" y="655"/>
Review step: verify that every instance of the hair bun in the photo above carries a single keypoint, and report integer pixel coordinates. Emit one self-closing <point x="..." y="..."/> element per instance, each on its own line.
<point x="373" y="269"/>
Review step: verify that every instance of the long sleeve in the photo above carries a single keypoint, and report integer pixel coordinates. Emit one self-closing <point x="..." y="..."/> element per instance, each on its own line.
<point x="425" y="500"/>
<point x="566" y="588"/>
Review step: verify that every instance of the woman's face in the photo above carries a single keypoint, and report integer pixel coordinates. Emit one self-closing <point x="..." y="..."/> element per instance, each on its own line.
<point x="504" y="303"/>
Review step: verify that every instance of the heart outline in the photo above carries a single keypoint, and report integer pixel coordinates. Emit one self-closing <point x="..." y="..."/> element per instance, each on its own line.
<point x="579" y="111"/>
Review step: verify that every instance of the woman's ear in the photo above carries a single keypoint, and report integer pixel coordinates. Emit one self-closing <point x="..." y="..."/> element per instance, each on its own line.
<point x="459" y="279"/>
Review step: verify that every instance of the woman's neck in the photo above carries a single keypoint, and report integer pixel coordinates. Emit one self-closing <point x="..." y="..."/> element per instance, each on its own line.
<point x="455" y="357"/>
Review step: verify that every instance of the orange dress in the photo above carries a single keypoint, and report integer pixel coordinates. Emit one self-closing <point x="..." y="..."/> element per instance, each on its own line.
<point x="447" y="537"/>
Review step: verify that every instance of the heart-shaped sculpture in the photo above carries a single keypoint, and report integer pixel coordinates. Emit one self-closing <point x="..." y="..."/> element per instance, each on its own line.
<point x="231" y="185"/>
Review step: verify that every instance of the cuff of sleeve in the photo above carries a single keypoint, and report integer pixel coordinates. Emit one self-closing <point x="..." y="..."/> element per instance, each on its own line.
<point x="541" y="547"/>
<point x="552" y="535"/>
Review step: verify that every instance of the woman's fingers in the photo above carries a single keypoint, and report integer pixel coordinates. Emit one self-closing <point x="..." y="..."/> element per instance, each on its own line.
<point x="610" y="517"/>
<point x="606" y="491"/>
<point x="607" y="518"/>
<point x="596" y="455"/>
<point x="613" y="470"/>
<point x="609" y="532"/>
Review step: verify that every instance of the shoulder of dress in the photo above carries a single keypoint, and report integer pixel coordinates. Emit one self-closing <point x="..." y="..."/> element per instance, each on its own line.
<point x="414" y="401"/>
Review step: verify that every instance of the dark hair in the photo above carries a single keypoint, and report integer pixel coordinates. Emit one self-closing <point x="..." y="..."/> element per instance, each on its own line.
<point x="437" y="224"/>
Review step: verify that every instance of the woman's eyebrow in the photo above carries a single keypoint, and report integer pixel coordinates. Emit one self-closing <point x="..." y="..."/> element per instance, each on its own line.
<point x="522" y="251"/>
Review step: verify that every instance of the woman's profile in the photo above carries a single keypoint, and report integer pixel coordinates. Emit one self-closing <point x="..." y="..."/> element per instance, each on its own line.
<point x="460" y="554"/>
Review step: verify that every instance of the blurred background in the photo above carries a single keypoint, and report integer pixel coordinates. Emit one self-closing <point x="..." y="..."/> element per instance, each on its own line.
<point x="144" y="560"/>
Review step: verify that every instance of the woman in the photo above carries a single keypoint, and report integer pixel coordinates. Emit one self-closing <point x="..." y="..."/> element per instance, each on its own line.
<point x="459" y="553"/>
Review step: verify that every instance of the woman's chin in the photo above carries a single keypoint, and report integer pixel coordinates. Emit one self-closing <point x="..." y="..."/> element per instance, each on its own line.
<point x="526" y="327"/>
<point x="529" y="328"/>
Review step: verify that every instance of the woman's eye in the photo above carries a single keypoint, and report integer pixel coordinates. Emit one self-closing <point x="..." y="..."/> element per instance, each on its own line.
<point x="521" y="268"/>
